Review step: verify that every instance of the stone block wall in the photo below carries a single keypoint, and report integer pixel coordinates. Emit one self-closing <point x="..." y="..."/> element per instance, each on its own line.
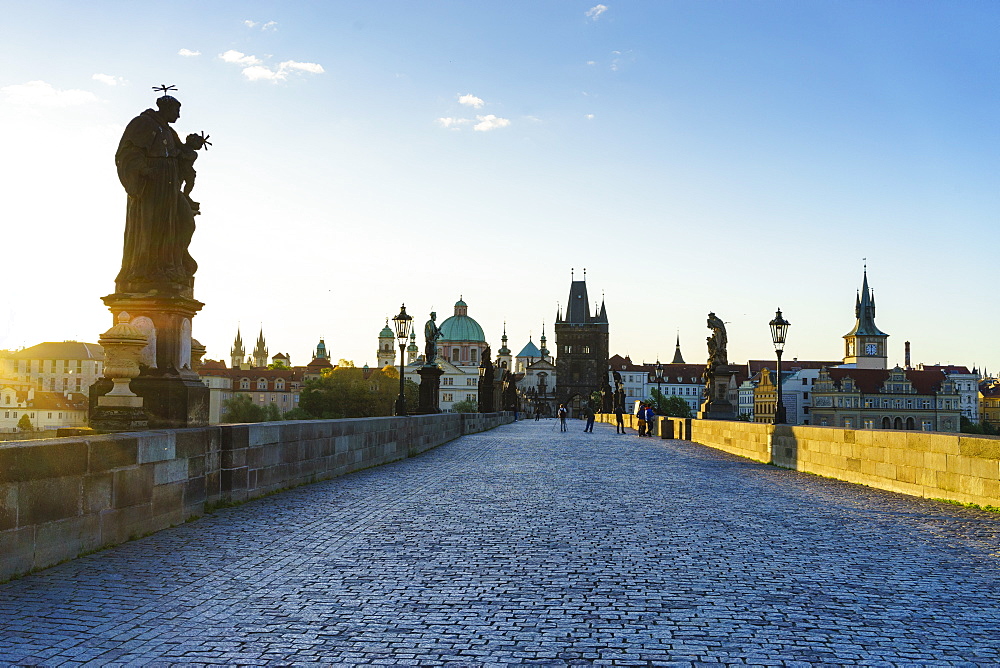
<point x="60" y="498"/>
<point x="935" y="465"/>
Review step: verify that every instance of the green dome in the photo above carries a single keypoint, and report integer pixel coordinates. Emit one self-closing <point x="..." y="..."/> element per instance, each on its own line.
<point x="461" y="328"/>
<point x="386" y="333"/>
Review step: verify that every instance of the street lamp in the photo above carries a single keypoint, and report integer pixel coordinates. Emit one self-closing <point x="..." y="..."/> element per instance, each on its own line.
<point x="779" y="330"/>
<point x="659" y="382"/>
<point x="403" y="324"/>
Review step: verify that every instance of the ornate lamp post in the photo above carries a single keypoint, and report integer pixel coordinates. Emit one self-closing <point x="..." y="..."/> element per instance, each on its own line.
<point x="779" y="330"/>
<point x="403" y="324"/>
<point x="659" y="382"/>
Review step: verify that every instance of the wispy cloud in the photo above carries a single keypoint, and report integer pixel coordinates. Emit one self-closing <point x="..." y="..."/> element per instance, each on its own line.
<point x="471" y="100"/>
<point x="595" y="12"/>
<point x="453" y="123"/>
<point x="258" y="72"/>
<point x="266" y="26"/>
<point x="490" y="122"/>
<point x="188" y="53"/>
<point x="109" y="80"/>
<point x="42" y="94"/>
<point x="239" y="58"/>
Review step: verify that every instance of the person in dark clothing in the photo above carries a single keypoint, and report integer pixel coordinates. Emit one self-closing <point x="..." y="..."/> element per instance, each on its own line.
<point x="619" y="421"/>
<point x="590" y="420"/>
<point x="562" y="417"/>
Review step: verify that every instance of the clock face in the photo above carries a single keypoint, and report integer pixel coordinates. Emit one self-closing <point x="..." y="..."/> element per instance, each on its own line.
<point x="871" y="349"/>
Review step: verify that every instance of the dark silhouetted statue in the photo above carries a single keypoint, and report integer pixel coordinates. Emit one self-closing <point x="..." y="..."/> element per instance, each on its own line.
<point x="157" y="171"/>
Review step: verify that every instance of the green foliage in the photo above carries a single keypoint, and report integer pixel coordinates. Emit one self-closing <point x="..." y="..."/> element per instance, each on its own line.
<point x="743" y="417"/>
<point x="278" y="364"/>
<point x="984" y="427"/>
<point x="465" y="406"/>
<point x="241" y="408"/>
<point x="669" y="406"/>
<point x="345" y="392"/>
<point x="24" y="424"/>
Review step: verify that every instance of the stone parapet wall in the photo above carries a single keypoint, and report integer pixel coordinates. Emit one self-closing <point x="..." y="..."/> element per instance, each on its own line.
<point x="934" y="465"/>
<point x="60" y="498"/>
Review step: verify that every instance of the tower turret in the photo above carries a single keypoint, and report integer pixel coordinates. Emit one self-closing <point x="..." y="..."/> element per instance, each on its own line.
<point x="237" y="354"/>
<point x="865" y="345"/>
<point x="678" y="358"/>
<point x="503" y="355"/>
<point x="386" y="347"/>
<point x="412" y="351"/>
<point x="260" y="352"/>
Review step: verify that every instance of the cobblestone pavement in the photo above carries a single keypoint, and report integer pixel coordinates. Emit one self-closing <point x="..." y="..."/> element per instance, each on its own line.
<point x="524" y="545"/>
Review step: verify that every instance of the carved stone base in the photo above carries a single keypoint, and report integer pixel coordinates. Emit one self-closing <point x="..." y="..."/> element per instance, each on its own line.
<point x="118" y="418"/>
<point x="430" y="384"/>
<point x="720" y="409"/>
<point x="169" y="402"/>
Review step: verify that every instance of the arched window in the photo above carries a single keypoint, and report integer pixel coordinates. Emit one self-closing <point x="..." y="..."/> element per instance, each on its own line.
<point x="262" y="383"/>
<point x="886" y="423"/>
<point x="279" y="384"/>
<point x="911" y="423"/>
<point x="897" y="423"/>
<point x="244" y="383"/>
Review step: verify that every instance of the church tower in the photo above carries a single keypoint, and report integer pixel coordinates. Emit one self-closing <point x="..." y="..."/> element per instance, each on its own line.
<point x="260" y="352"/>
<point x="865" y="345"/>
<point x="237" y="354"/>
<point x="581" y="347"/>
<point x="386" y="347"/>
<point x="544" y="345"/>
<point x="678" y="358"/>
<point x="412" y="351"/>
<point x="503" y="355"/>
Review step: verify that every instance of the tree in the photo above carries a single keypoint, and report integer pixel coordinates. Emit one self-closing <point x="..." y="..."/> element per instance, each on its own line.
<point x="670" y="406"/>
<point x="24" y="424"/>
<point x="241" y="408"/>
<point x="465" y="406"/>
<point x="348" y="392"/>
<point x="278" y="364"/>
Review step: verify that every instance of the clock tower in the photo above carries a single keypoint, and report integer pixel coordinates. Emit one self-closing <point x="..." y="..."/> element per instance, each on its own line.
<point x="865" y="345"/>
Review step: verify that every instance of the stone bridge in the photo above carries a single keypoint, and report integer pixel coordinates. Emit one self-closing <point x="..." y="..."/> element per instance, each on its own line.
<point x="524" y="545"/>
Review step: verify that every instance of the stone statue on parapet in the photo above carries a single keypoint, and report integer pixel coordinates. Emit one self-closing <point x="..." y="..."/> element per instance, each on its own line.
<point x="157" y="172"/>
<point x="431" y="334"/>
<point x="717" y="342"/>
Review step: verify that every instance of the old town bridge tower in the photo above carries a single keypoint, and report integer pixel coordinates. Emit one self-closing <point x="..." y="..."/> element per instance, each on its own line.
<point x="581" y="347"/>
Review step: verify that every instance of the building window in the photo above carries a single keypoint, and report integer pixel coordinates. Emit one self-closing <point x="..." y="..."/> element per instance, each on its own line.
<point x="454" y="354"/>
<point x="474" y="355"/>
<point x="447" y="396"/>
<point x="261" y="384"/>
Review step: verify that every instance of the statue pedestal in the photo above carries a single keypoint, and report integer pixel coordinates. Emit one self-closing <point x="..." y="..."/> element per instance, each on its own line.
<point x="430" y="384"/>
<point x="172" y="393"/>
<point x="718" y="406"/>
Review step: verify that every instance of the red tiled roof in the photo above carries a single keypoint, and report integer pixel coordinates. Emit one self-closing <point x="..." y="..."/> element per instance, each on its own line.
<point x="212" y="365"/>
<point x="947" y="368"/>
<point x="57" y="401"/>
<point x="870" y="381"/>
<point x="755" y="366"/>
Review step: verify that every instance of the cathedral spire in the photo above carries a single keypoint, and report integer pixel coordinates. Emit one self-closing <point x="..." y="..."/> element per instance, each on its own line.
<point x="678" y="358"/>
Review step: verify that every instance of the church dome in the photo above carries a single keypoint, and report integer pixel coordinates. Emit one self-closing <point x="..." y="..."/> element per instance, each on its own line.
<point x="386" y="333"/>
<point x="460" y="327"/>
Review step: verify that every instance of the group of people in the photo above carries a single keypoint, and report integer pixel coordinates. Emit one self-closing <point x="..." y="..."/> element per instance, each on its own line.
<point x="646" y="419"/>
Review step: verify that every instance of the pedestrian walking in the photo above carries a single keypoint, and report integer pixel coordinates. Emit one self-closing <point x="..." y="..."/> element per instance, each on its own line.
<point x="562" y="417"/>
<point x="640" y="418"/>
<point x="650" y="421"/>
<point x="590" y="420"/>
<point x="538" y="413"/>
<point x="619" y="421"/>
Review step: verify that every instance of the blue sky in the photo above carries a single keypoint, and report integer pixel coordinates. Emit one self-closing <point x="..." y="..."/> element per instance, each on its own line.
<point x="694" y="156"/>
